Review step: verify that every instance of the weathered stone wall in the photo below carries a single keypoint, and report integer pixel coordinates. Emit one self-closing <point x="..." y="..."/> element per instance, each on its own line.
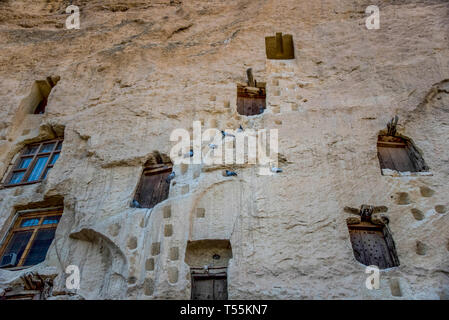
<point x="136" y="70"/>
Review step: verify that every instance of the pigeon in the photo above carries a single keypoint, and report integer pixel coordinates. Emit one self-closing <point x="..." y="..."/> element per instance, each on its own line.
<point x="135" y="204"/>
<point x="225" y="134"/>
<point x="261" y="109"/>
<point x="230" y="173"/>
<point x="212" y="146"/>
<point x="170" y="177"/>
<point x="190" y="154"/>
<point x="276" y="170"/>
<point x="240" y="129"/>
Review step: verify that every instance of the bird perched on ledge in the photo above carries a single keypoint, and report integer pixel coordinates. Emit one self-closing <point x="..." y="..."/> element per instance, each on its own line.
<point x="276" y="170"/>
<point x="189" y="155"/>
<point x="225" y="134"/>
<point x="135" y="204"/>
<point x="170" y="177"/>
<point x="230" y="173"/>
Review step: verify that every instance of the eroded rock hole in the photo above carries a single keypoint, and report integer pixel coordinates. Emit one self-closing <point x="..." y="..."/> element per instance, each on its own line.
<point x="403" y="198"/>
<point x="39" y="94"/>
<point x="395" y="288"/>
<point x="421" y="248"/>
<point x="440" y="209"/>
<point x="417" y="214"/>
<point x="426" y="192"/>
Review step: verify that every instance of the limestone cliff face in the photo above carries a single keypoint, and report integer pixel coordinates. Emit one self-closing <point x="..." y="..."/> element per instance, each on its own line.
<point x="136" y="70"/>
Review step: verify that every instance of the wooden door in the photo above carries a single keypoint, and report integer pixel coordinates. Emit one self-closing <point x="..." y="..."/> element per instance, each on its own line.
<point x="250" y="106"/>
<point x="209" y="287"/>
<point x="370" y="247"/>
<point x="153" y="187"/>
<point x="395" y="156"/>
<point x="220" y="288"/>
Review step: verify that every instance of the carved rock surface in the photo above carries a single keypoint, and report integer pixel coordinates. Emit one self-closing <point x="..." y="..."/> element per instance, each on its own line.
<point x="136" y="70"/>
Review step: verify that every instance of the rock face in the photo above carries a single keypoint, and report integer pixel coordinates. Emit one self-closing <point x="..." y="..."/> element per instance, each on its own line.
<point x="137" y="70"/>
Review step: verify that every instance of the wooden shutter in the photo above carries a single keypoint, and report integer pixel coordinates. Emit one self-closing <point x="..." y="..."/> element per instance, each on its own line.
<point x="395" y="156"/>
<point x="153" y="188"/>
<point x="251" y="100"/>
<point x="250" y="106"/>
<point x="370" y="247"/>
<point x="220" y="288"/>
<point x="209" y="287"/>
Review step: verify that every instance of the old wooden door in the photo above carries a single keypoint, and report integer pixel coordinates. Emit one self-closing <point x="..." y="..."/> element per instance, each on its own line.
<point x="370" y="247"/>
<point x="250" y="106"/>
<point x="153" y="188"/>
<point x="209" y="287"/>
<point x="395" y="156"/>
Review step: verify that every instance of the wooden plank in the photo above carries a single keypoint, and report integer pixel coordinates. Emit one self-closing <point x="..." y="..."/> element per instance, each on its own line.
<point x="391" y="247"/>
<point x="401" y="159"/>
<point x="146" y="190"/>
<point x="153" y="188"/>
<point x="391" y="144"/>
<point x="385" y="157"/>
<point x="202" y="289"/>
<point x="220" y="289"/>
<point x="357" y="244"/>
<point x="250" y="106"/>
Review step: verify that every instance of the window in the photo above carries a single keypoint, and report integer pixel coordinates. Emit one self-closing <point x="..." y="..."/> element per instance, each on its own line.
<point x="209" y="287"/>
<point x="34" y="163"/>
<point x="396" y="153"/>
<point x="373" y="245"/>
<point x="29" y="239"/>
<point x="154" y="186"/>
<point x="251" y="100"/>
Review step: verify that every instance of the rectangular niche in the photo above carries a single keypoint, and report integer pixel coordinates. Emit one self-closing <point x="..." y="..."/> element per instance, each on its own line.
<point x="40" y="92"/>
<point x="373" y="245"/>
<point x="208" y="261"/>
<point x="251" y="100"/>
<point x="396" y="153"/>
<point x="153" y="187"/>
